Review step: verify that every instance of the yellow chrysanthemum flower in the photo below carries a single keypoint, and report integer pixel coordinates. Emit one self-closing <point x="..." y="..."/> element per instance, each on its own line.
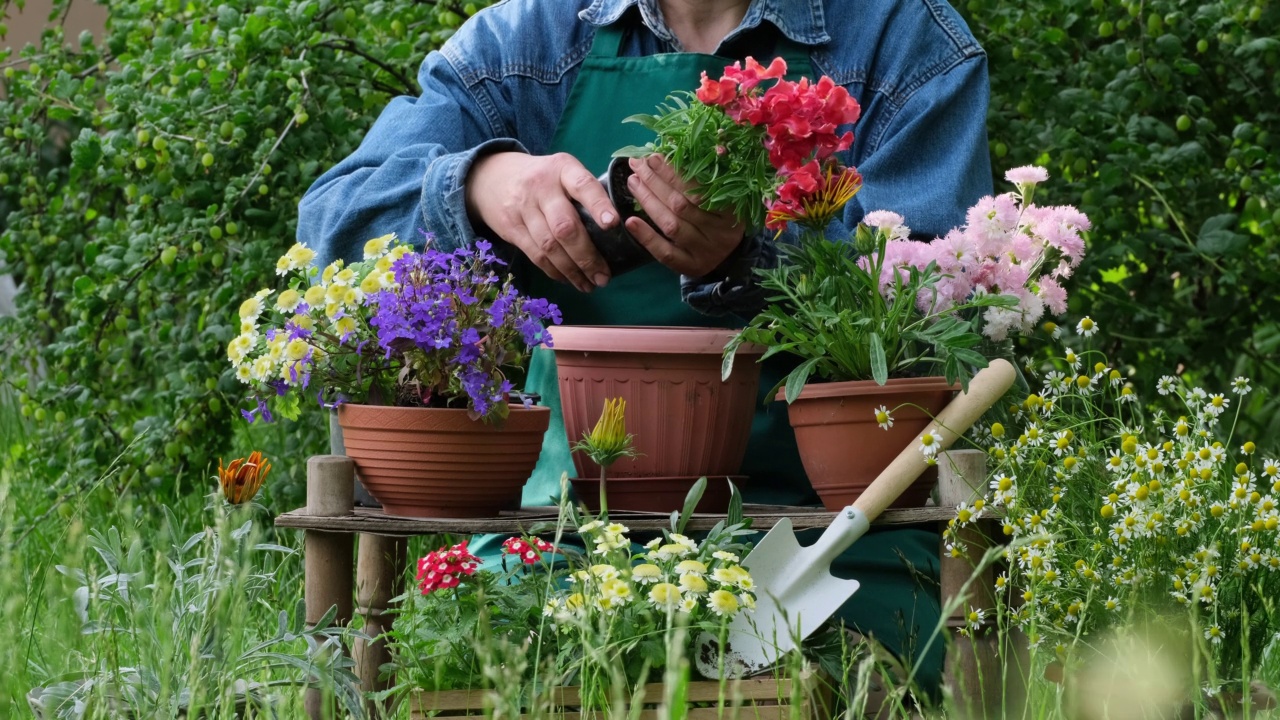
<point x="250" y="309"/>
<point x="723" y="602"/>
<point x="646" y="573"/>
<point x="664" y="595"/>
<point x="372" y="283"/>
<point x="315" y="295"/>
<point x="288" y="300"/>
<point x="378" y="246"/>
<point x="300" y="255"/>
<point x="296" y="350"/>
<point x="345" y="326"/>
<point x="691" y="567"/>
<point x="332" y="269"/>
<point x="693" y="584"/>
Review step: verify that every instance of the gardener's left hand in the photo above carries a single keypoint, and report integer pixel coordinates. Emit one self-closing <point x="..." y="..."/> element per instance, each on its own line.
<point x="697" y="240"/>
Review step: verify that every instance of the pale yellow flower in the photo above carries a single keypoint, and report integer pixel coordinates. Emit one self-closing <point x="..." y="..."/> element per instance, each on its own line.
<point x="693" y="584"/>
<point x="646" y="573"/>
<point x="691" y="567"/>
<point x="378" y="246"/>
<point x="664" y="595"/>
<point x="315" y="295"/>
<point x="723" y="602"/>
<point x="344" y="326"/>
<point x="288" y="300"/>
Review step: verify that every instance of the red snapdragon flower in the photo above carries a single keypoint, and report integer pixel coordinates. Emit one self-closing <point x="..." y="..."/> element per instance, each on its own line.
<point x="444" y="569"/>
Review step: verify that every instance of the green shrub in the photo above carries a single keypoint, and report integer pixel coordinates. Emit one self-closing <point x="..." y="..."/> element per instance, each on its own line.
<point x="154" y="179"/>
<point x="1164" y="116"/>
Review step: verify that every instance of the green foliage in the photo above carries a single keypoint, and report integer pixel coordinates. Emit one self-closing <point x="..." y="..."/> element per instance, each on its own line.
<point x="727" y="161"/>
<point x="154" y="179"/>
<point x="1163" y="116"/>
<point x="828" y="309"/>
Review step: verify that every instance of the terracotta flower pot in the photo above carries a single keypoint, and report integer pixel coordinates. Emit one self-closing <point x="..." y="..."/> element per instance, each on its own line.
<point x="435" y="462"/>
<point x="686" y="422"/>
<point x="843" y="448"/>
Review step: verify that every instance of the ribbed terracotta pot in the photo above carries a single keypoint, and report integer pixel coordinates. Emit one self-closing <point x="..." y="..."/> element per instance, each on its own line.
<point x="436" y="462"/>
<point x="686" y="422"/>
<point x="843" y="448"/>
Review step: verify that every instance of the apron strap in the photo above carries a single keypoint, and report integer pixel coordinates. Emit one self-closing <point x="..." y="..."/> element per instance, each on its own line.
<point x="607" y="42"/>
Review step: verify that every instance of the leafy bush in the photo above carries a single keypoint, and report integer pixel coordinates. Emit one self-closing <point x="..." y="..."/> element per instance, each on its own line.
<point x="154" y="179"/>
<point x="1164" y="116"/>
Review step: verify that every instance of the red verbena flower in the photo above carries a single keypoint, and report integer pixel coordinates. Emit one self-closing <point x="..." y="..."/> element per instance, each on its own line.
<point x="529" y="551"/>
<point x="445" y="568"/>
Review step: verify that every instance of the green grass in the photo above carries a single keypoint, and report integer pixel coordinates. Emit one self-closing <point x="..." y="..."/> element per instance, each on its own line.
<point x="170" y="600"/>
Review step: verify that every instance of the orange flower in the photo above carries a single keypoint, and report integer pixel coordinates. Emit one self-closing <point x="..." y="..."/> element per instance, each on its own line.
<point x="242" y="479"/>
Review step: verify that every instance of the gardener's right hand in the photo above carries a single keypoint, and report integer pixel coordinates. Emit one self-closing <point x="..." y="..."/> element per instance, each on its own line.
<point x="527" y="201"/>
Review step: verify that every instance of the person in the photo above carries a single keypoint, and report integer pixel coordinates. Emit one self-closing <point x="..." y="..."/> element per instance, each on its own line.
<point x="522" y="108"/>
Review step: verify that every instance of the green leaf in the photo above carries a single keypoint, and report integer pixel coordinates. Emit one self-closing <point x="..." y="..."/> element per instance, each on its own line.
<point x="879" y="365"/>
<point x="691" y="503"/>
<point x="1216" y="237"/>
<point x="86" y="151"/>
<point x="797" y="378"/>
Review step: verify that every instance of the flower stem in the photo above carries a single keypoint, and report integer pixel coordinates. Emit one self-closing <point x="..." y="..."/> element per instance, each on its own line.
<point x="604" y="495"/>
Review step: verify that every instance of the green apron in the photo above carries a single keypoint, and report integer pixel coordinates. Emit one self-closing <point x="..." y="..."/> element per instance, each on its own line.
<point x="892" y="605"/>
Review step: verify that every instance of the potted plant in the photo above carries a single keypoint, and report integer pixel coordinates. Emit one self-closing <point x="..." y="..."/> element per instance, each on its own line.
<point x="413" y="348"/>
<point x="887" y="327"/>
<point x="737" y="139"/>
<point x="552" y="628"/>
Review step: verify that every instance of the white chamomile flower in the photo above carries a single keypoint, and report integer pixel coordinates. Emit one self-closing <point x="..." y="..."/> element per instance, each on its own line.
<point x="1213" y="634"/>
<point x="1166" y="385"/>
<point x="929" y="443"/>
<point x="1086" y="327"/>
<point x="1240" y="386"/>
<point x="883" y="418"/>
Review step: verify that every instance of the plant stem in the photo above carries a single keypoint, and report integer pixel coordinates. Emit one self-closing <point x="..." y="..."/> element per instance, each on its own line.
<point x="604" y="495"/>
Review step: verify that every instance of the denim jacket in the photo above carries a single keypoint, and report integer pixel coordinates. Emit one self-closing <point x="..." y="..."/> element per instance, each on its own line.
<point x="501" y="82"/>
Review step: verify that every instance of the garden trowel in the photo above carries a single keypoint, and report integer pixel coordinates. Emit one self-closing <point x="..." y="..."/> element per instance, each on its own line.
<point x="795" y="590"/>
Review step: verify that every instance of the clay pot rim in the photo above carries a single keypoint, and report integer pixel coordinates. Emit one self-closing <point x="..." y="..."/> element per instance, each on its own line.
<point x="350" y="415"/>
<point x="737" y="479"/>
<point x="895" y="386"/>
<point x="674" y="340"/>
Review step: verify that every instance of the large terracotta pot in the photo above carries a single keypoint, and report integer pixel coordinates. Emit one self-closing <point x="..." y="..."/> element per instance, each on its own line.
<point x="843" y="448"/>
<point x="686" y="422"/>
<point x="435" y="462"/>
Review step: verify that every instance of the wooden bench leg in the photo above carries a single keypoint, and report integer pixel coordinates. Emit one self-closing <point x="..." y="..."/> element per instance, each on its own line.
<point x="327" y="557"/>
<point x="379" y="571"/>
<point x="972" y="673"/>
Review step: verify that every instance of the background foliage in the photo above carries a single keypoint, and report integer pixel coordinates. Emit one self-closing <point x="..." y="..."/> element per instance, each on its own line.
<point x="1164" y="118"/>
<point x="154" y="179"/>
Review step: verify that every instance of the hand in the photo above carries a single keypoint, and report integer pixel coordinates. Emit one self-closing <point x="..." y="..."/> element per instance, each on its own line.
<point x="697" y="240"/>
<point x="527" y="201"/>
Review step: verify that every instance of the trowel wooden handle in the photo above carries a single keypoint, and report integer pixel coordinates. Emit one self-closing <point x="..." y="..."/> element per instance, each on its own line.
<point x="984" y="390"/>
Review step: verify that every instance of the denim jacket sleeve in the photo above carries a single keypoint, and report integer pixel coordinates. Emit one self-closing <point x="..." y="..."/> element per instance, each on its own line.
<point x="925" y="158"/>
<point x="409" y="172"/>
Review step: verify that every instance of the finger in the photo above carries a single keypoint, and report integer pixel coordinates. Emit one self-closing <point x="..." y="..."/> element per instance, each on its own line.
<point x="567" y="229"/>
<point x="520" y="237"/>
<point x="543" y="240"/>
<point x="582" y="186"/>
<point x="664" y="170"/>
<point x="684" y="210"/>
<point x="662" y="249"/>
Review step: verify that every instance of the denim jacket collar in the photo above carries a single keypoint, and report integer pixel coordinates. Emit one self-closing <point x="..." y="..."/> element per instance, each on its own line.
<point x="801" y="21"/>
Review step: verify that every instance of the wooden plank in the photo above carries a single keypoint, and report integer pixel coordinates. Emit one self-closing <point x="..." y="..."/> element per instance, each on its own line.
<point x="377" y="523"/>
<point x="751" y="699"/>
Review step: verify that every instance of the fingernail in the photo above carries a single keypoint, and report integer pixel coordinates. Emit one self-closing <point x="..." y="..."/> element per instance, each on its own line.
<point x="606" y="218"/>
<point x="601" y="279"/>
<point x="634" y="163"/>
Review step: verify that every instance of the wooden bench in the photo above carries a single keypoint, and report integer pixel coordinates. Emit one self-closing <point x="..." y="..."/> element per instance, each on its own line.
<point x="362" y="576"/>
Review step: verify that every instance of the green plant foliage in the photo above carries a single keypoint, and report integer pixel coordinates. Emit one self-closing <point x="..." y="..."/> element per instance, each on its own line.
<point x="153" y="176"/>
<point x="1164" y="118"/>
